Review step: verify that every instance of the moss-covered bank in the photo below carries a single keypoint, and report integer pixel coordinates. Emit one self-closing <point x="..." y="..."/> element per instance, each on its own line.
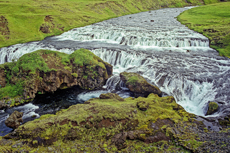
<point x="46" y="71"/>
<point x="110" y="124"/>
<point x="213" y="21"/>
<point x="25" y="20"/>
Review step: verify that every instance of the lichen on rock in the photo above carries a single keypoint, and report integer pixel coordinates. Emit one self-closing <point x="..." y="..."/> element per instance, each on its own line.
<point x="138" y="85"/>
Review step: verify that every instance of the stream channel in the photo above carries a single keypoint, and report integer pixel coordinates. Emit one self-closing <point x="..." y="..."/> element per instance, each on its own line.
<point x="154" y="44"/>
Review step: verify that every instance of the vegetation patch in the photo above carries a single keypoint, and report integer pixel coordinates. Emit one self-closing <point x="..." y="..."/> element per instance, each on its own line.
<point x="25" y="20"/>
<point x="213" y="21"/>
<point x="46" y="71"/>
<point x="111" y="124"/>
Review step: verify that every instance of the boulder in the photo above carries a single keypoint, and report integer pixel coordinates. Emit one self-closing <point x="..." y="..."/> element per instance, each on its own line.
<point x="14" y="120"/>
<point x="138" y="85"/>
<point x="3" y="105"/>
<point x="212" y="108"/>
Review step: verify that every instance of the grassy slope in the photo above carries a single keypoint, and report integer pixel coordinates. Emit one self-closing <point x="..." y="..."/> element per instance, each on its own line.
<point x="20" y="20"/>
<point x="213" y="21"/>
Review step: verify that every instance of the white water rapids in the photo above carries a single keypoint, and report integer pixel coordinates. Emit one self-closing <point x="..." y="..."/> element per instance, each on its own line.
<point x="155" y="45"/>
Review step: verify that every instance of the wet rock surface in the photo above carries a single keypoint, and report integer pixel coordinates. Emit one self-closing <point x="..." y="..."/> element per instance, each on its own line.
<point x="138" y="85"/>
<point x="14" y="120"/>
<point x="212" y="108"/>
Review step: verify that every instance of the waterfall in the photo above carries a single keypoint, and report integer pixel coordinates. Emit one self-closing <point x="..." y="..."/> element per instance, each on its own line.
<point x="154" y="44"/>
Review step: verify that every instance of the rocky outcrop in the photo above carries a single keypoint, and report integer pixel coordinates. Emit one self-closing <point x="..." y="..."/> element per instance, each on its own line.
<point x="212" y="108"/>
<point x="14" y="120"/>
<point x="46" y="71"/>
<point x="138" y="85"/>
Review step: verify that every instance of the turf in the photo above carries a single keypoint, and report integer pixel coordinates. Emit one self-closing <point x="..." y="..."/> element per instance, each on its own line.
<point x="24" y="20"/>
<point x="213" y="21"/>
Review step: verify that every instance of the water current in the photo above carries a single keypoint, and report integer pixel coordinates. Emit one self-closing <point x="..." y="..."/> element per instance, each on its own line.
<point x="154" y="44"/>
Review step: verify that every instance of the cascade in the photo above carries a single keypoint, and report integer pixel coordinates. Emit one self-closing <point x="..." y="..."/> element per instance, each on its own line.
<point x="154" y="44"/>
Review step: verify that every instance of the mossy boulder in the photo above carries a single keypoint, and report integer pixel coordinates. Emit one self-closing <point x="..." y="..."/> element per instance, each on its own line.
<point x="110" y="125"/>
<point x="212" y="108"/>
<point x="46" y="71"/>
<point x="138" y="85"/>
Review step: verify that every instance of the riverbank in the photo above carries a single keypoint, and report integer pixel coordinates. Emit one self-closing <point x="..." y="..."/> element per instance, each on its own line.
<point x="213" y="21"/>
<point x="24" y="21"/>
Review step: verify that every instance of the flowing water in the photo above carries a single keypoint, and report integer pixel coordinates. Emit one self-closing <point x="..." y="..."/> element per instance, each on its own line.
<point x="154" y="44"/>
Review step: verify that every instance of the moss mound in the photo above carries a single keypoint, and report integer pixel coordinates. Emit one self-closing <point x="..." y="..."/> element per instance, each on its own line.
<point x="109" y="125"/>
<point x="138" y="85"/>
<point x="212" y="108"/>
<point x="46" y="71"/>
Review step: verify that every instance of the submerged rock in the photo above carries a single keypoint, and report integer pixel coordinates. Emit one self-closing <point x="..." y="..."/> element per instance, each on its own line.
<point x="14" y="120"/>
<point x="212" y="108"/>
<point x="138" y="85"/>
<point x="46" y="71"/>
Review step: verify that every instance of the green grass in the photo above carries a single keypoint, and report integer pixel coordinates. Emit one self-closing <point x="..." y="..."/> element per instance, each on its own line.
<point x="213" y="21"/>
<point x="20" y="20"/>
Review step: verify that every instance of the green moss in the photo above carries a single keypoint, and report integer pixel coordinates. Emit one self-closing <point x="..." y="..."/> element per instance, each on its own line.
<point x="132" y="80"/>
<point x="212" y="108"/>
<point x="74" y="74"/>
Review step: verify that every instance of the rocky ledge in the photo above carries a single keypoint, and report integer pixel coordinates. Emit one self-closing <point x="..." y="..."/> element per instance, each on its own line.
<point x="46" y="71"/>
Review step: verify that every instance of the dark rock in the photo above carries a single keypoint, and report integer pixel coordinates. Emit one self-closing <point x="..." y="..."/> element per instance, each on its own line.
<point x="138" y="85"/>
<point x="160" y="123"/>
<point x="45" y="28"/>
<point x="119" y="140"/>
<point x="111" y="96"/>
<point x="41" y="142"/>
<point x="14" y="120"/>
<point x="159" y="136"/>
<point x="3" y="105"/>
<point x="212" y="108"/>
<point x="142" y="105"/>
